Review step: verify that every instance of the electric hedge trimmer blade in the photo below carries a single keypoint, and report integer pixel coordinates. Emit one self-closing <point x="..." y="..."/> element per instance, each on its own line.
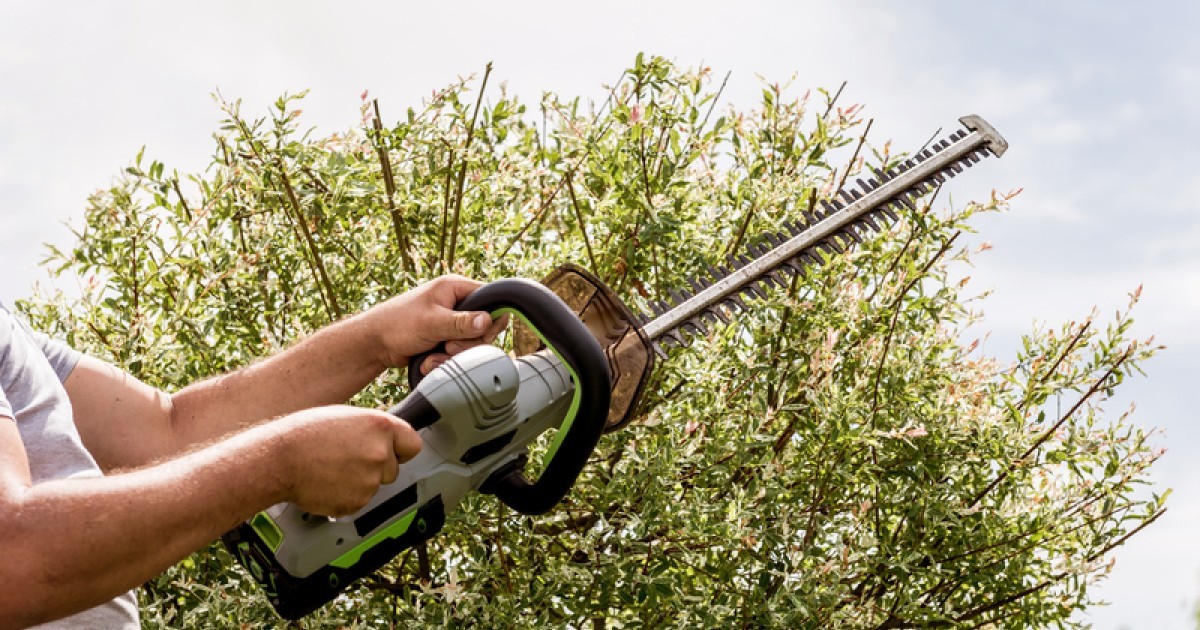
<point x="832" y="227"/>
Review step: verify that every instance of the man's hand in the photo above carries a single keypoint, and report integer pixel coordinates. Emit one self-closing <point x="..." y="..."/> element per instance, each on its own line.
<point x="335" y="458"/>
<point x="418" y="320"/>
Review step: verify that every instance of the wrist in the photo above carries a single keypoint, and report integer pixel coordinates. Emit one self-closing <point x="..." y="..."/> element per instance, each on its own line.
<point x="273" y="442"/>
<point x="366" y="335"/>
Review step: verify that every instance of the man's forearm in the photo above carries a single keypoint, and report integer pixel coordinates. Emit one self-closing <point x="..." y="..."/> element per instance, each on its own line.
<point x="80" y="542"/>
<point x="328" y="367"/>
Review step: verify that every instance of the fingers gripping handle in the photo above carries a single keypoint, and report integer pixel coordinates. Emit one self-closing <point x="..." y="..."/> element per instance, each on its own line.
<point x="575" y="346"/>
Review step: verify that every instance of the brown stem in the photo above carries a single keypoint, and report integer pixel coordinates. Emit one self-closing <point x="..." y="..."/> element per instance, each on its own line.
<point x="441" y="259"/>
<point x="895" y="307"/>
<point x="1097" y="386"/>
<point x="187" y="212"/>
<point x="297" y="215"/>
<point x="389" y="186"/>
<point x="537" y="216"/>
<point x="833" y="100"/>
<point x="853" y="158"/>
<point x="1075" y="340"/>
<point x="462" y="172"/>
<point x="587" y="242"/>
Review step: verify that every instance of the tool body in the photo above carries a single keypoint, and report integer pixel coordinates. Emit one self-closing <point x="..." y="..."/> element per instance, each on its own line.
<point x="582" y="366"/>
<point x="476" y="415"/>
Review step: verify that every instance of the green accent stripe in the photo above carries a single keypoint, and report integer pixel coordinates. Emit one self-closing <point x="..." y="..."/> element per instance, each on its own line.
<point x="395" y="530"/>
<point x="577" y="395"/>
<point x="267" y="530"/>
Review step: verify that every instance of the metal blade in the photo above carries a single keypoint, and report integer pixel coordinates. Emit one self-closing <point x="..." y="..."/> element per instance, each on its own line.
<point x="831" y="225"/>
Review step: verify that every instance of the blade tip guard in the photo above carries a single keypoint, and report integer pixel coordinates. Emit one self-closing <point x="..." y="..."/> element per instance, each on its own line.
<point x="995" y="142"/>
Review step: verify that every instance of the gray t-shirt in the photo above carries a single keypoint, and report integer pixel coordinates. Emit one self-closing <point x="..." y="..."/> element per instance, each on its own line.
<point x="32" y="370"/>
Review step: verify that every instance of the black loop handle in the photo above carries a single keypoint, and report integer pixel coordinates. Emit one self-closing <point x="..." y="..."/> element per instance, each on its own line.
<point x="571" y="340"/>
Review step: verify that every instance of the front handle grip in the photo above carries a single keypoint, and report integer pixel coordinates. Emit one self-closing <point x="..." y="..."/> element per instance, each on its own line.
<point x="570" y="340"/>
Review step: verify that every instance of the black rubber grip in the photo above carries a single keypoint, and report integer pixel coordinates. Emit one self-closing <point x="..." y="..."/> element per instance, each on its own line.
<point x="416" y="411"/>
<point x="573" y="342"/>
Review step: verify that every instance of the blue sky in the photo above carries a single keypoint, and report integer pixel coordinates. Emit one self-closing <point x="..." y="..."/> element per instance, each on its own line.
<point x="1097" y="99"/>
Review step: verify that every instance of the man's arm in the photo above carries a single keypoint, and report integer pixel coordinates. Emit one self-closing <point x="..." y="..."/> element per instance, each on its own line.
<point x="70" y="544"/>
<point x="126" y="423"/>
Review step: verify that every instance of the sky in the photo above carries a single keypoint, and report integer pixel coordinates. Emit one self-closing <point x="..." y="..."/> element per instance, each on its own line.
<point x="1097" y="100"/>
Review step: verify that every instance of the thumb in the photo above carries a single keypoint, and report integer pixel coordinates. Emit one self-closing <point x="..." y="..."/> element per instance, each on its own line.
<point x="466" y="325"/>
<point x="405" y="441"/>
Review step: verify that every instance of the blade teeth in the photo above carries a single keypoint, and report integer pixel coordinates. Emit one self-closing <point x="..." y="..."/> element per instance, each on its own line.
<point x="754" y="290"/>
<point x="832" y="246"/>
<point x="715" y="272"/>
<point x="846" y="196"/>
<point x="852" y="232"/>
<point x="857" y="195"/>
<point x="775" y="239"/>
<point x="889" y="213"/>
<point x="870" y="222"/>
<point x="827" y="208"/>
<point x="697" y="286"/>
<point x="658" y="349"/>
<point x="793" y="227"/>
<point x="796" y="266"/>
<point x="717" y="313"/>
<point x="643" y="318"/>
<point x="676" y="297"/>
<point x="735" y="302"/>
<point x="882" y="175"/>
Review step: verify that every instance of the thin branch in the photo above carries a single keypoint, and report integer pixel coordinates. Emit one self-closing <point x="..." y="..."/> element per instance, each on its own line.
<point x="297" y="215"/>
<point x="1097" y="386"/>
<point x="833" y="100"/>
<point x="441" y="259"/>
<point x="853" y="158"/>
<point x="540" y="212"/>
<point x="587" y="242"/>
<point x="1075" y="340"/>
<point x="389" y="186"/>
<point x="462" y="173"/>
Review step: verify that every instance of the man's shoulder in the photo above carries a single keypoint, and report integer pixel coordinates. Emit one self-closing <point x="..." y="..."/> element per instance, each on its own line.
<point x="6" y="326"/>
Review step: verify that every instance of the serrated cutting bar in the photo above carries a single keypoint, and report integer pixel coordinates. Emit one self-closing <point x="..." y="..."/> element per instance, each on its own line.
<point x="838" y="221"/>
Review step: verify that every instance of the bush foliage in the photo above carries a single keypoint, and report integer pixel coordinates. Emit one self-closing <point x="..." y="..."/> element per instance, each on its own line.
<point x="837" y="456"/>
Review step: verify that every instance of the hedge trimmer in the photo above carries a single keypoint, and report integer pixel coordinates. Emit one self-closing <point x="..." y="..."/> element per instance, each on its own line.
<point x="583" y="360"/>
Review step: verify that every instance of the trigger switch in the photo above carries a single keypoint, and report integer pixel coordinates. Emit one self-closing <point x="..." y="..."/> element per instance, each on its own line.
<point x="416" y="411"/>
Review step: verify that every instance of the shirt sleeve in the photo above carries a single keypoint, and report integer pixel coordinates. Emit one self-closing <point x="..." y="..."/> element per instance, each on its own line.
<point x="62" y="357"/>
<point x="5" y="406"/>
<point x="5" y="339"/>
